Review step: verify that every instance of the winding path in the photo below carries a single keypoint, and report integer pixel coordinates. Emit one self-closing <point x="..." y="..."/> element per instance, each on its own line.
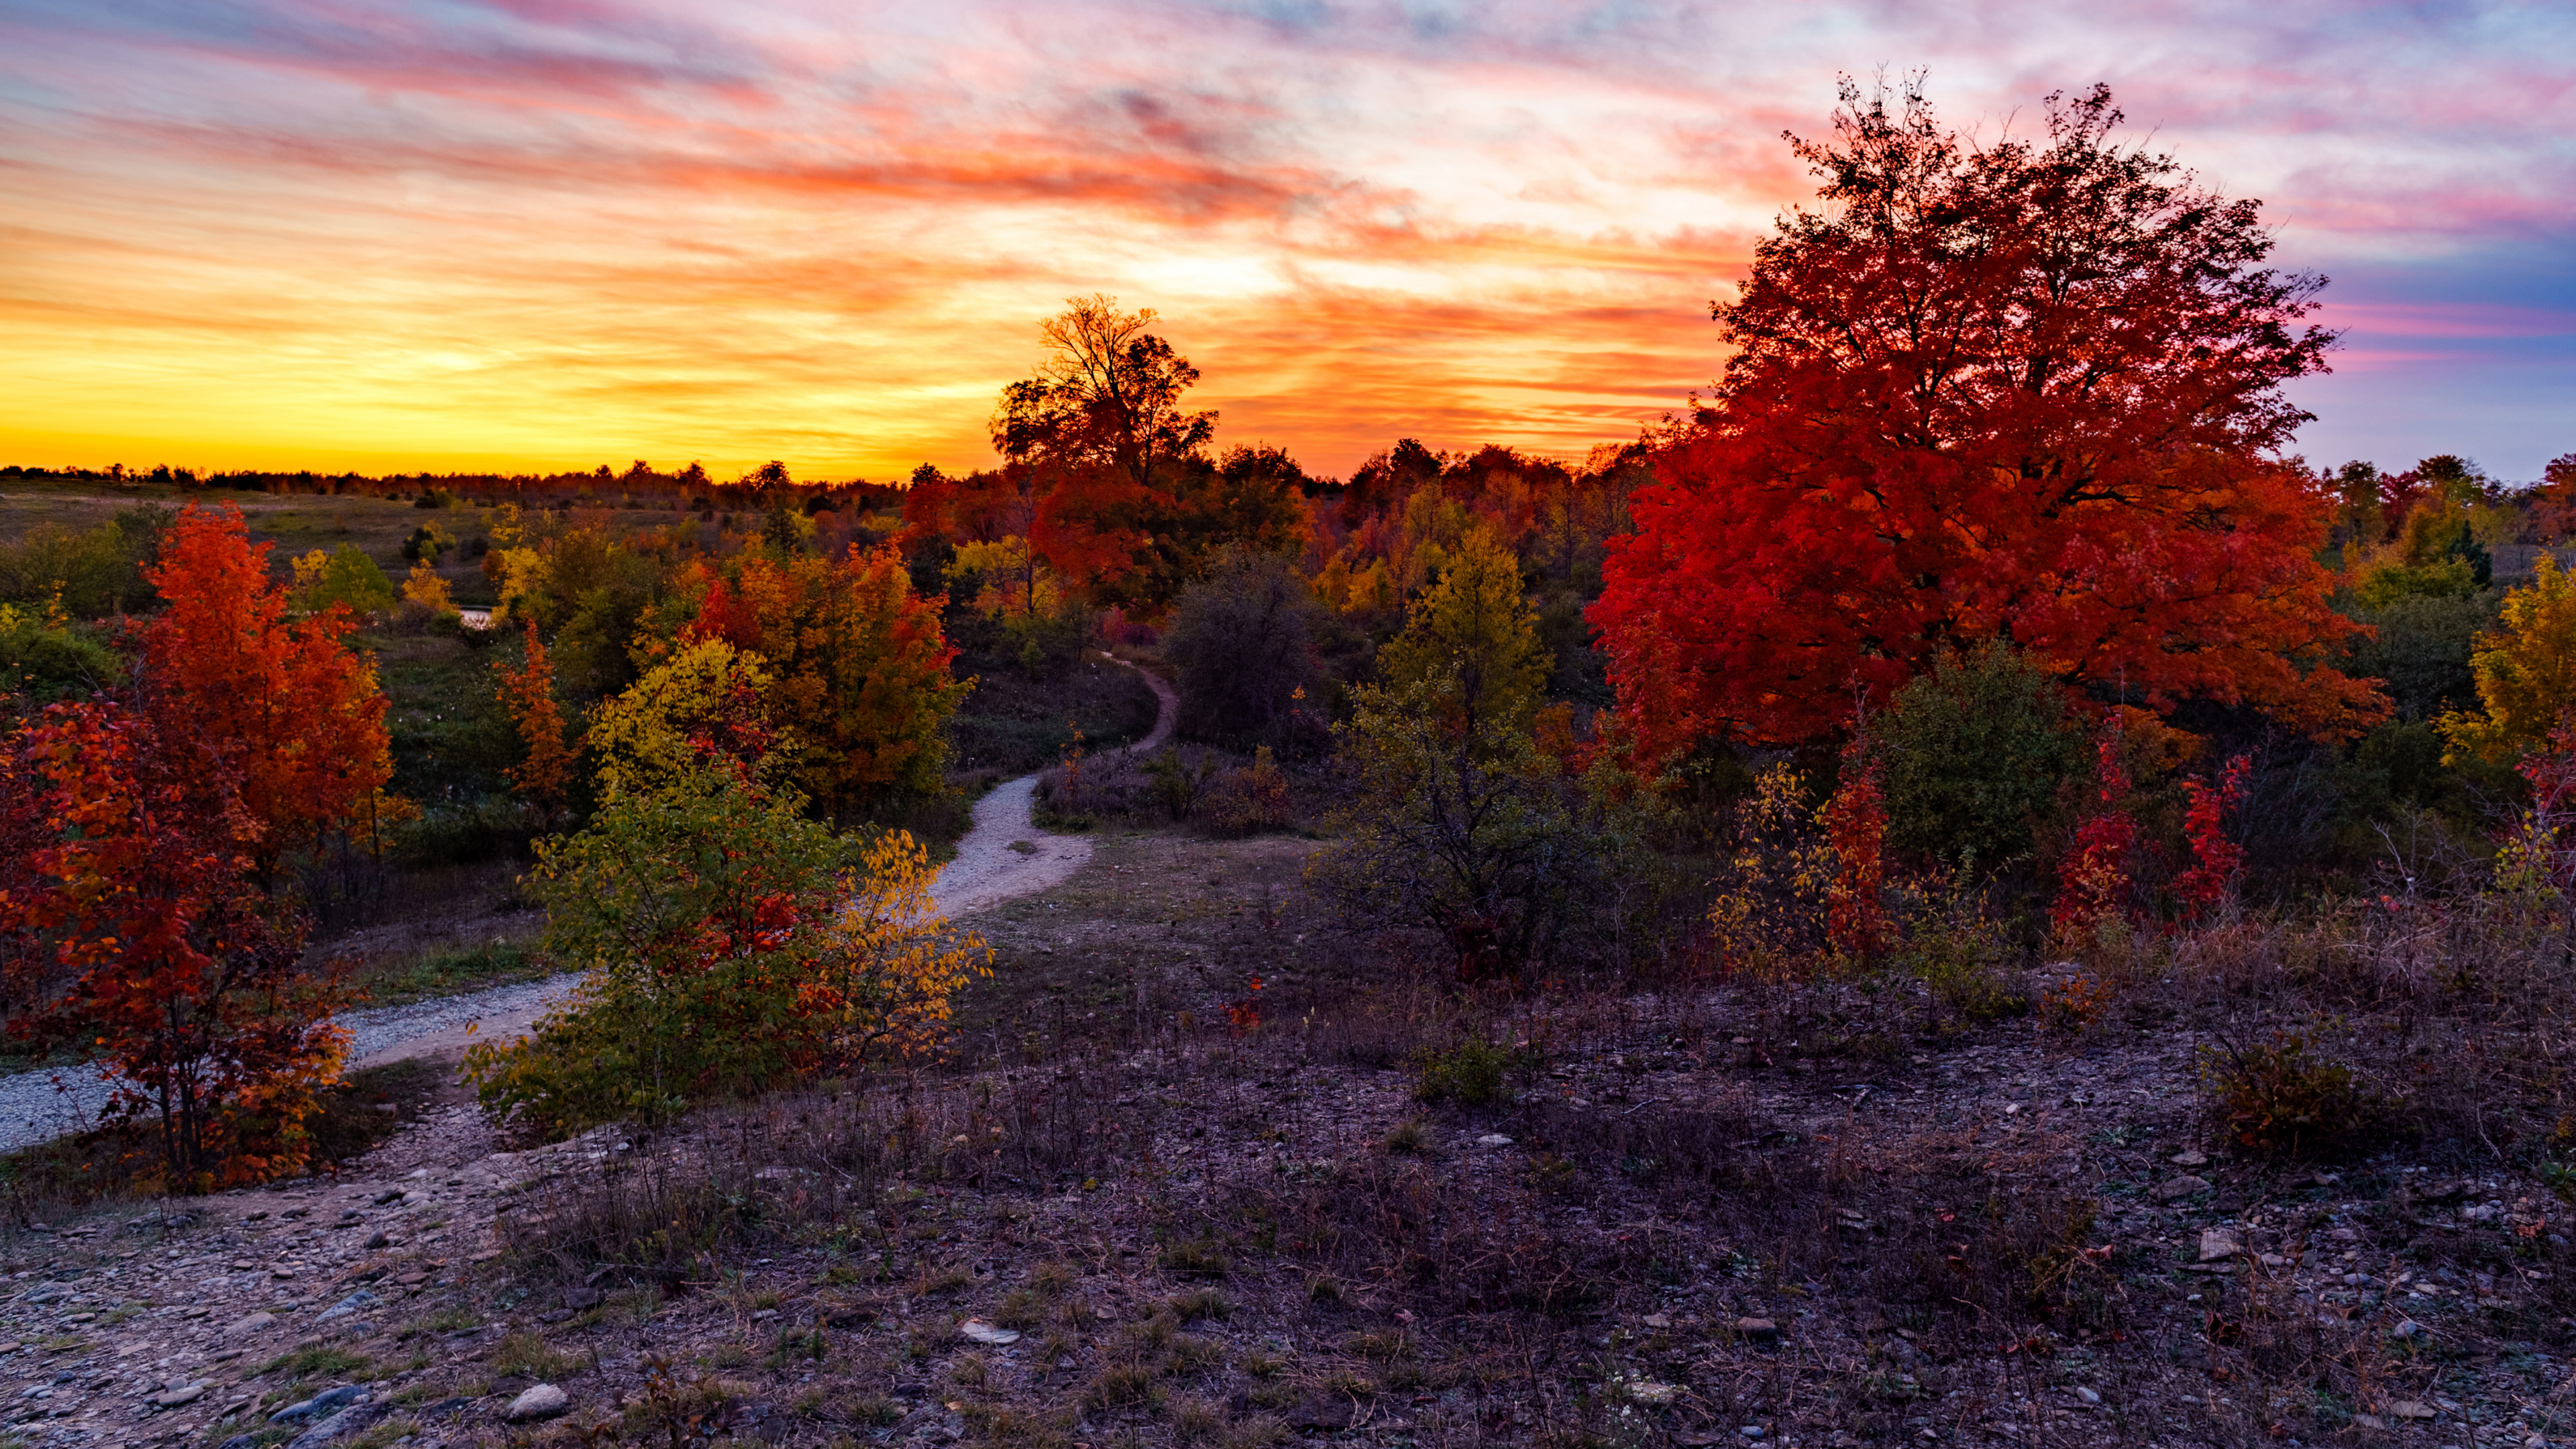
<point x="1003" y="856"/>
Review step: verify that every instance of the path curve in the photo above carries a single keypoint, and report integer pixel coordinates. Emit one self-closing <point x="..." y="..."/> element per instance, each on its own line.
<point x="986" y="872"/>
<point x="1003" y="855"/>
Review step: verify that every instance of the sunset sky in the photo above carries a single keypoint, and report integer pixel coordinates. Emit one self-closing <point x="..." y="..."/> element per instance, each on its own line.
<point x="398" y="234"/>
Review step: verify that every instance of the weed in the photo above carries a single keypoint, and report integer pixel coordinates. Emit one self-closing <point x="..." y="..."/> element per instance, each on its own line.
<point x="1200" y="1303"/>
<point x="1469" y="1074"/>
<point x="522" y="1352"/>
<point x="1960" y="958"/>
<point x="1195" y="1258"/>
<point x="1406" y="1139"/>
<point x="328" y="1362"/>
<point x="1022" y="1309"/>
<point x="1196" y="1421"/>
<point x="1258" y="1432"/>
<point x="1191" y="1354"/>
<point x="2074" y="1005"/>
<point x="1121" y="1385"/>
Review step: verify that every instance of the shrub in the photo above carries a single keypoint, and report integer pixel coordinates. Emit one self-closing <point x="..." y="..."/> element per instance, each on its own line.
<point x="1254" y="798"/>
<point x="344" y="576"/>
<point x="427" y="544"/>
<point x="50" y="658"/>
<point x="1242" y="641"/>
<point x="1963" y="959"/>
<point x="2278" y="1095"/>
<point x="731" y="943"/>
<point x="1972" y="754"/>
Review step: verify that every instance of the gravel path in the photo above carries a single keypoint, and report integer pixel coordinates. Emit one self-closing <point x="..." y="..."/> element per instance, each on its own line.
<point x="1003" y="856"/>
<point x="36" y="1107"/>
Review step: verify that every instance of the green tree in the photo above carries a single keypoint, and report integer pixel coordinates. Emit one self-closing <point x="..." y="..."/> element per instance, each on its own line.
<point x="343" y="576"/>
<point x="1972" y="753"/>
<point x="1467" y="830"/>
<point x="2419" y="650"/>
<point x="428" y="544"/>
<point x="1470" y="644"/>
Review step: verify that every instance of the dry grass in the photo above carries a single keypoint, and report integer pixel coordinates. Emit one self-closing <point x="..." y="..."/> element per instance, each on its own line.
<point x="1833" y="1209"/>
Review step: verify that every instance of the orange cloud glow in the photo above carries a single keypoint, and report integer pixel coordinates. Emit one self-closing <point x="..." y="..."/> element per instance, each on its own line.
<point x="545" y="233"/>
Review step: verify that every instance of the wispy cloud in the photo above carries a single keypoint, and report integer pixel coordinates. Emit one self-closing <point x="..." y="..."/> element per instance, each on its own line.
<point x="580" y="230"/>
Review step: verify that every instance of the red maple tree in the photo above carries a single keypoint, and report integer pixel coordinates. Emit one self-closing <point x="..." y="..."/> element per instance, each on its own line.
<point x="279" y="703"/>
<point x="2028" y="391"/>
<point x="133" y="934"/>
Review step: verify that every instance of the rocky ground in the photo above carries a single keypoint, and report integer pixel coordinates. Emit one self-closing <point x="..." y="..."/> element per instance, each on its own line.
<point x="203" y="1322"/>
<point x="1153" y="1202"/>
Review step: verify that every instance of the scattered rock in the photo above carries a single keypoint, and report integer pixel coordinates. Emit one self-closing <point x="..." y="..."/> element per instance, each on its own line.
<point x="1761" y="1330"/>
<point x="542" y="1402"/>
<point x="2087" y="1395"/>
<point x="2410" y="1409"/>
<point x="579" y="1299"/>
<point x="1493" y="1139"/>
<point x="1659" y="1320"/>
<point x="322" y="1403"/>
<point x="350" y="1420"/>
<point x="355" y="1303"/>
<point x="2406" y="1328"/>
<point x="2189" y="1159"/>
<point x="249" y="1323"/>
<point x="2217" y="1244"/>
<point x="183" y="1394"/>
<point x="2180" y="1187"/>
<point x="379" y="1240"/>
<point x="1646" y="1391"/>
<point x="982" y="1332"/>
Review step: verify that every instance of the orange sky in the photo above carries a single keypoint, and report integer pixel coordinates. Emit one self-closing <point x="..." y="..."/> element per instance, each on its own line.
<point x="549" y="233"/>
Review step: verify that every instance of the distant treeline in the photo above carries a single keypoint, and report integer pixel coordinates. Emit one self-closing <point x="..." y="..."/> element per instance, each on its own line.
<point x="691" y="487"/>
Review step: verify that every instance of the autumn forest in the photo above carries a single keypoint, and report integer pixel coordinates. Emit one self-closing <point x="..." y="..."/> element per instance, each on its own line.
<point x="1952" y="886"/>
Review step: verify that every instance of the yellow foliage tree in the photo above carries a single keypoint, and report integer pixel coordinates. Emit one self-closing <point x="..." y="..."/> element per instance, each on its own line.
<point x="706" y="696"/>
<point x="2525" y="673"/>
<point x="1472" y="642"/>
<point x="428" y="592"/>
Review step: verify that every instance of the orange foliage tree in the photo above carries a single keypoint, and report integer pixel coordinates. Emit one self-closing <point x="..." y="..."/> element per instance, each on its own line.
<point x="858" y="666"/>
<point x="281" y="706"/>
<point x="528" y="693"/>
<point x="2029" y="391"/>
<point x="132" y="931"/>
<point x="1106" y="478"/>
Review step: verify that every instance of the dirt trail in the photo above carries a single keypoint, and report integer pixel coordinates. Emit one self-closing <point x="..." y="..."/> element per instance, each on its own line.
<point x="1003" y="856"/>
